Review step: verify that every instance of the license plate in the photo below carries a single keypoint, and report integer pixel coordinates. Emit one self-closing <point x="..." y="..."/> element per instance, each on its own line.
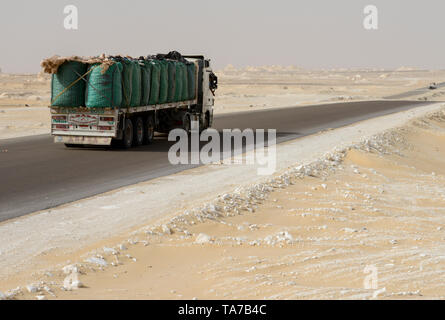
<point x="101" y="141"/>
<point x="84" y="119"/>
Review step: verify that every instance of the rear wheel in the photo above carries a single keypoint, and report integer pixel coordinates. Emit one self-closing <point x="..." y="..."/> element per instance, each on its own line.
<point x="138" y="132"/>
<point x="186" y="123"/>
<point x="149" y="129"/>
<point x="206" y="121"/>
<point x="127" y="140"/>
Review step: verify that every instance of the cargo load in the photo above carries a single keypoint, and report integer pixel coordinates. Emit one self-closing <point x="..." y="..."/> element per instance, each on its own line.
<point x="67" y="87"/>
<point x="191" y="80"/>
<point x="114" y="100"/>
<point x="127" y="76"/>
<point x="185" y="90"/>
<point x="155" y="82"/>
<point x="179" y="82"/>
<point x="171" y="81"/>
<point x="145" y="81"/>
<point x="104" y="86"/>
<point x="163" y="82"/>
<point x="135" y="84"/>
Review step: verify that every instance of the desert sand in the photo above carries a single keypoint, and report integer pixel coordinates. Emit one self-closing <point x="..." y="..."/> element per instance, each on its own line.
<point x="24" y="99"/>
<point x="317" y="232"/>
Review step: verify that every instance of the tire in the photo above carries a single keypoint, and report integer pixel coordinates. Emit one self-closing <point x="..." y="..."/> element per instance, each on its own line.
<point x="206" y="122"/>
<point x="115" y="143"/>
<point x="138" y="132"/>
<point x="70" y="145"/>
<point x="186" y="125"/>
<point x="127" y="139"/>
<point x="149" y="129"/>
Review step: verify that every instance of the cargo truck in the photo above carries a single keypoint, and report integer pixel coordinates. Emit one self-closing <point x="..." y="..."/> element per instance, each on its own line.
<point x="135" y="126"/>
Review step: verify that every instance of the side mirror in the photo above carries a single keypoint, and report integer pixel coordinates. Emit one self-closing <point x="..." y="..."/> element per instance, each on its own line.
<point x="213" y="82"/>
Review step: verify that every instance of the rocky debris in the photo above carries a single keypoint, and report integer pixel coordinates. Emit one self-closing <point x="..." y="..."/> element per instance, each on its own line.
<point x="71" y="268"/>
<point x="281" y="237"/>
<point x="32" y="288"/>
<point x="97" y="261"/>
<point x="407" y="293"/>
<point x="11" y="294"/>
<point x="350" y="230"/>
<point x="48" y="290"/>
<point x="72" y="283"/>
<point x="166" y="229"/>
<point x="110" y="251"/>
<point x="2" y="296"/>
<point x="203" y="238"/>
<point x="41" y="297"/>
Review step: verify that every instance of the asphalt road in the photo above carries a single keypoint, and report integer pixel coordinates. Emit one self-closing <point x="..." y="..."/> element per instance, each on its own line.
<point x="414" y="92"/>
<point x="36" y="174"/>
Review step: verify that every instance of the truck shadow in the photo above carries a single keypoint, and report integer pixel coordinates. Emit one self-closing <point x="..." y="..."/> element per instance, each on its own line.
<point x="162" y="145"/>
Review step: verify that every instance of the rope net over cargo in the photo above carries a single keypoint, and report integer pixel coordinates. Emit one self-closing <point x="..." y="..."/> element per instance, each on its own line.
<point x="117" y="81"/>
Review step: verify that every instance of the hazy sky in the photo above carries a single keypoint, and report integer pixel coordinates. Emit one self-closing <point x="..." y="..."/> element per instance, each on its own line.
<point x="309" y="33"/>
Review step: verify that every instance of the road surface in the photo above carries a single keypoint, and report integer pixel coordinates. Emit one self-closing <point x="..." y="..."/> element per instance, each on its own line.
<point x="37" y="174"/>
<point x="414" y="92"/>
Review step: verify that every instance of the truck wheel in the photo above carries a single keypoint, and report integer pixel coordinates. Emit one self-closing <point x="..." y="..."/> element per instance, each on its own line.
<point x="127" y="140"/>
<point x="206" y="122"/>
<point x="149" y="129"/>
<point x="139" y="132"/>
<point x="186" y="125"/>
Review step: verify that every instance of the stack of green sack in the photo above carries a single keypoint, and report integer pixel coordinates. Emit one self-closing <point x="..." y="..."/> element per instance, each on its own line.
<point x="123" y="83"/>
<point x="67" y="89"/>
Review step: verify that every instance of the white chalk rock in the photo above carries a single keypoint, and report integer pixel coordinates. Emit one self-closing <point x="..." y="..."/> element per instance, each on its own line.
<point x="166" y="229"/>
<point x="2" y="296"/>
<point x="72" y="284"/>
<point x="98" y="261"/>
<point x="71" y="268"/>
<point x="32" y="288"/>
<point x="203" y="238"/>
<point x="110" y="250"/>
<point x="41" y="297"/>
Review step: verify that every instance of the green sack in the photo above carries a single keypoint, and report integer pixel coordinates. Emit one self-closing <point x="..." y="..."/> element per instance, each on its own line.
<point x="74" y="94"/>
<point x="185" y="90"/>
<point x="163" y="86"/>
<point x="145" y="82"/>
<point x="135" y="85"/>
<point x="104" y="88"/>
<point x="191" y="80"/>
<point x="155" y="82"/>
<point x="178" y="82"/>
<point x="127" y="77"/>
<point x="171" y="81"/>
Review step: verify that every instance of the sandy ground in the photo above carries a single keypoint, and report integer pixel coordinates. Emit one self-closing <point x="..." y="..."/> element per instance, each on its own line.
<point x="24" y="101"/>
<point x="24" y="98"/>
<point x="314" y="231"/>
<point x="314" y="236"/>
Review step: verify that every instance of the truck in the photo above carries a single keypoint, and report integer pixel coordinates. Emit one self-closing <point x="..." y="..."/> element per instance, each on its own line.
<point x="136" y="126"/>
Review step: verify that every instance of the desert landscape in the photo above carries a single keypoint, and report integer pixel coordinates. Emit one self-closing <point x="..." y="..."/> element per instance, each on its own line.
<point x="24" y="99"/>
<point x="366" y="198"/>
